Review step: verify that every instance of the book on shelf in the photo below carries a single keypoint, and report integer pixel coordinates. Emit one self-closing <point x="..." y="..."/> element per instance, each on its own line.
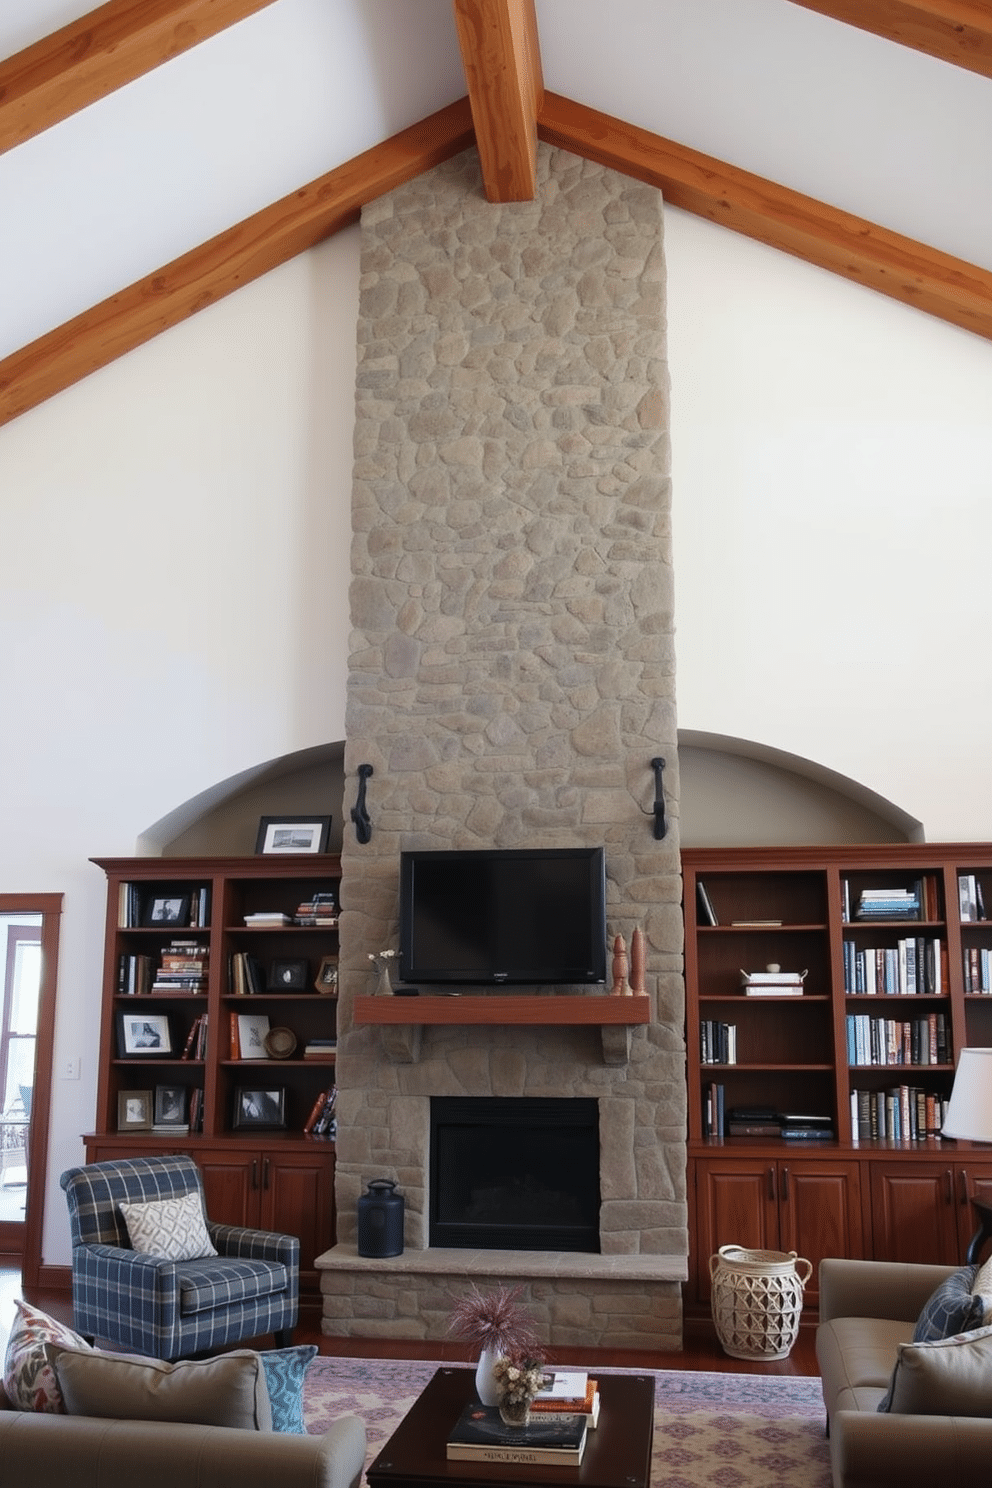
<point x="971" y="900"/>
<point x="265" y="917"/>
<point x="319" y="909"/>
<point x="246" y="979"/>
<point x="320" y="1048"/>
<point x="773" y="983"/>
<point x="718" y="1041"/>
<point x="481" y="1435"/>
<point x="753" y="1129"/>
<point x="714" y="1115"/>
<point x="318" y="1108"/>
<point x="705" y="904"/>
<point x="753" y="924"/>
<point x="797" y="1127"/>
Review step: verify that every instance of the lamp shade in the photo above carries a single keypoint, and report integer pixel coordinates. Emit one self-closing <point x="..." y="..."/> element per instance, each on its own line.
<point x="969" y="1110"/>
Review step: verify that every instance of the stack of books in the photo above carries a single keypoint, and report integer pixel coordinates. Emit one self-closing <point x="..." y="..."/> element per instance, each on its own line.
<point x="321" y="909"/>
<point x="183" y="968"/>
<point x="799" y="1128"/>
<point x="263" y="918"/>
<point x="889" y="904"/>
<point x="568" y="1393"/>
<point x="480" y="1435"/>
<point x="320" y="1048"/>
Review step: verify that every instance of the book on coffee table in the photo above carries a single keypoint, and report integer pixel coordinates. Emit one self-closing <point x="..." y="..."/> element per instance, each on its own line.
<point x="481" y="1435"/>
<point x="569" y="1394"/>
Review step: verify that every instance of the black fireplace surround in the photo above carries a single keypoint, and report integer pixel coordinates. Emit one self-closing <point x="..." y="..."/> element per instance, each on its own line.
<point x="514" y="1173"/>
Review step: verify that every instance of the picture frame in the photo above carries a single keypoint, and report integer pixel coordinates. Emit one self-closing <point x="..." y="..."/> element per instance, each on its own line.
<point x="326" y="980"/>
<point x="259" y="1106"/>
<point x="292" y="834"/>
<point x="171" y="1105"/>
<point x="288" y="975"/>
<point x="253" y="1030"/>
<point x="166" y="910"/>
<point x="144" y="1035"/>
<point x="134" y="1110"/>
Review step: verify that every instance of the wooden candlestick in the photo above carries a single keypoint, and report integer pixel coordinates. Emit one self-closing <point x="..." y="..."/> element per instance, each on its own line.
<point x="619" y="967"/>
<point x="637" y="961"/>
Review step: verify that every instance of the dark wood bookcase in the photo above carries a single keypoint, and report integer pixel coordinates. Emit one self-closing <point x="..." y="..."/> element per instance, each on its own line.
<point x="869" y="1188"/>
<point x="278" y="1177"/>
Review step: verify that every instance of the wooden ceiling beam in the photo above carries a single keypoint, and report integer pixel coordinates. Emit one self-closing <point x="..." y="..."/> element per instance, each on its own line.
<point x="502" y="62"/>
<point x="233" y="258"/>
<point x="905" y="270"/>
<point x="100" y="52"/>
<point x="956" y="31"/>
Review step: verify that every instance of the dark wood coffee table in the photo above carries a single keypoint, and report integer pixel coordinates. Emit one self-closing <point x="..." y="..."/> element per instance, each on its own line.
<point x="617" y="1454"/>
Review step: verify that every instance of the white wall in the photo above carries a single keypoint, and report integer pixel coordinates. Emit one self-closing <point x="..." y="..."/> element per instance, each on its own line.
<point x="175" y="550"/>
<point x="832" y="455"/>
<point x="175" y="565"/>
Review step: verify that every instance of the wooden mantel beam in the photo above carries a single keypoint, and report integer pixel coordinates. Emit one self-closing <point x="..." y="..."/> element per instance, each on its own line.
<point x="956" y="31"/>
<point x="920" y="276"/>
<point x="233" y="258"/>
<point x="102" y="51"/>
<point x="502" y="62"/>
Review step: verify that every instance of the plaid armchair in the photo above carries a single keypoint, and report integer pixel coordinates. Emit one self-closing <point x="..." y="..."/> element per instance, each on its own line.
<point x="172" y="1309"/>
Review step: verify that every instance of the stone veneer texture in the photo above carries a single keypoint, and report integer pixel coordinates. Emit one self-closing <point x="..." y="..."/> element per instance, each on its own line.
<point x="511" y="672"/>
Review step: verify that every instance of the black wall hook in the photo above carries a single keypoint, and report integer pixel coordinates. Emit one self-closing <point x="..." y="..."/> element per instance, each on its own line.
<point x="360" y="812"/>
<point x="660" y="822"/>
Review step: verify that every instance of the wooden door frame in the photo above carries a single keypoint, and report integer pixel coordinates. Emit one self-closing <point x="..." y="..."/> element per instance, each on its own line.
<point x="49" y="906"/>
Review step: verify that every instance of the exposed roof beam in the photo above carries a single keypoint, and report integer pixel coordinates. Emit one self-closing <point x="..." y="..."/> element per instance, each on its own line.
<point x="102" y="51"/>
<point x="947" y="287"/>
<point x="502" y="62"/>
<point x="233" y="258"/>
<point x="957" y="31"/>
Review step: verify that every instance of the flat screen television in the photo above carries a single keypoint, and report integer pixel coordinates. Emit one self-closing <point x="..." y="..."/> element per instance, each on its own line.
<point x="503" y="916"/>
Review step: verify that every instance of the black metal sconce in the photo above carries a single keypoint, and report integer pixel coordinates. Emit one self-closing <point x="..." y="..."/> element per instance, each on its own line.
<point x="660" y="821"/>
<point x="360" y="811"/>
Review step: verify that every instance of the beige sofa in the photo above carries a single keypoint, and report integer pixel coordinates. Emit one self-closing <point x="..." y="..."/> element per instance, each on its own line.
<point x="867" y="1308"/>
<point x="47" y="1451"/>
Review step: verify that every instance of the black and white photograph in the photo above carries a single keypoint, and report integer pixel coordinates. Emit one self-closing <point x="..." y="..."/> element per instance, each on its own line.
<point x="167" y="909"/>
<point x="260" y="1107"/>
<point x="288" y="976"/>
<point x="327" y="976"/>
<point x="134" y="1110"/>
<point x="143" y="1036"/>
<point x="170" y="1105"/>
<point x="293" y="834"/>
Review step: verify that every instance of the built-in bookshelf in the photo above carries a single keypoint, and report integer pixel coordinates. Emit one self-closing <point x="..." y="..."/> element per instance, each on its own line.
<point x="219" y="1030"/>
<point x="834" y="1084"/>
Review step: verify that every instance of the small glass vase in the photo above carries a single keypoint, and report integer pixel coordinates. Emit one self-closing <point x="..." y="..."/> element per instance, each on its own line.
<point x="383" y="985"/>
<point x="514" y="1412"/>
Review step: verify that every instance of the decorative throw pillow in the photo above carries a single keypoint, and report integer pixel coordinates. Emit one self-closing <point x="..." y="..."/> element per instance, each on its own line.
<point x="982" y="1287"/>
<point x="284" y="1373"/>
<point x="947" y="1377"/>
<point x="172" y="1228"/>
<point x="951" y="1309"/>
<point x="229" y="1390"/>
<point x="28" y="1379"/>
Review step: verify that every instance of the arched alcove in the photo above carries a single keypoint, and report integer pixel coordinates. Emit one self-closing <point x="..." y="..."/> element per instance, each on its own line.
<point x="736" y="793"/>
<point x="223" y="819"/>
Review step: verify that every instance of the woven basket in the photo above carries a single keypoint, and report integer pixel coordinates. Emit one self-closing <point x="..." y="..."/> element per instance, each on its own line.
<point x="757" y="1300"/>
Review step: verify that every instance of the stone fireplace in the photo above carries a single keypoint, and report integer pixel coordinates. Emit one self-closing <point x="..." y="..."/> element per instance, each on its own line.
<point x="511" y="678"/>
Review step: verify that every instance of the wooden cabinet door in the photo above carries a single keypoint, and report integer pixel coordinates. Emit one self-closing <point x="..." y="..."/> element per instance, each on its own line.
<point x="913" y="1212"/>
<point x="231" y="1182"/>
<point x="296" y="1197"/>
<point x="736" y="1204"/>
<point x="820" y="1212"/>
<point x="972" y="1180"/>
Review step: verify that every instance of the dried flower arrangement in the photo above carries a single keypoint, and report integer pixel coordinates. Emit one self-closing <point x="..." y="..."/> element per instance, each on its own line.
<point x="519" y="1379"/>
<point x="495" y="1321"/>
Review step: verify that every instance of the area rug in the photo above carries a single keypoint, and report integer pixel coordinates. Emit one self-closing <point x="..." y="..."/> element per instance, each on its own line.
<point x="712" y="1430"/>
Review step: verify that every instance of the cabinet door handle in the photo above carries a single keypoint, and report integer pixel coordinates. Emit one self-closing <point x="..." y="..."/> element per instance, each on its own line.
<point x="771" y="1184"/>
<point x="254" y="1173"/>
<point x="785" y="1185"/>
<point x="265" y="1173"/>
<point x="964" y="1185"/>
<point x="949" y="1180"/>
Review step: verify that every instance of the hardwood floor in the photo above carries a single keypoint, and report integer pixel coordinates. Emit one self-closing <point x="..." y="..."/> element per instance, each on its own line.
<point x="702" y="1349"/>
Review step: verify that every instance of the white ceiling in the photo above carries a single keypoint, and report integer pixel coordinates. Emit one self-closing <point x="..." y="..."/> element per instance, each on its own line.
<point x="223" y="130"/>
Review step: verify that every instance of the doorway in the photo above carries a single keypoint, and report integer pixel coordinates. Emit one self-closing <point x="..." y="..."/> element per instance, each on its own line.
<point x="29" y="935"/>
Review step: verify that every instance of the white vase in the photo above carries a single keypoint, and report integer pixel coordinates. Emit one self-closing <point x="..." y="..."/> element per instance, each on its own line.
<point x="485" y="1381"/>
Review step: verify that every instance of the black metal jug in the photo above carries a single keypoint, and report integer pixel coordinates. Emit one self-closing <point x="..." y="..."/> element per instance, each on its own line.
<point x="380" y="1220"/>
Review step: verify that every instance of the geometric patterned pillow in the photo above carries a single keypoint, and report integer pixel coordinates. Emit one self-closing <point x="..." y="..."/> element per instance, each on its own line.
<point x="172" y="1228"/>
<point x="952" y="1308"/>
<point x="982" y="1287"/>
<point x="284" y="1371"/>
<point x="28" y="1378"/>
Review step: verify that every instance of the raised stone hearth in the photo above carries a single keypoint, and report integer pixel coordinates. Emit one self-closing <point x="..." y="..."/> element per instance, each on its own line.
<point x="511" y="678"/>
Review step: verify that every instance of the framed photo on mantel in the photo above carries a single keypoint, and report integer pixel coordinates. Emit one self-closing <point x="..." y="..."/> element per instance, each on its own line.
<point x="293" y="834"/>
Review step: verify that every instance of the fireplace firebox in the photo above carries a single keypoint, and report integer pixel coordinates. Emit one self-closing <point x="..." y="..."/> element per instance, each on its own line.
<point x="514" y="1173"/>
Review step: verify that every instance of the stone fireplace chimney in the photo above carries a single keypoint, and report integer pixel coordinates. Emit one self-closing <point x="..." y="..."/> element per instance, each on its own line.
<point x="511" y="678"/>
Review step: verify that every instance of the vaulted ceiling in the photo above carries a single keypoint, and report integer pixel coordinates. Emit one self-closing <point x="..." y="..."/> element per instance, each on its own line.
<point x="160" y="153"/>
